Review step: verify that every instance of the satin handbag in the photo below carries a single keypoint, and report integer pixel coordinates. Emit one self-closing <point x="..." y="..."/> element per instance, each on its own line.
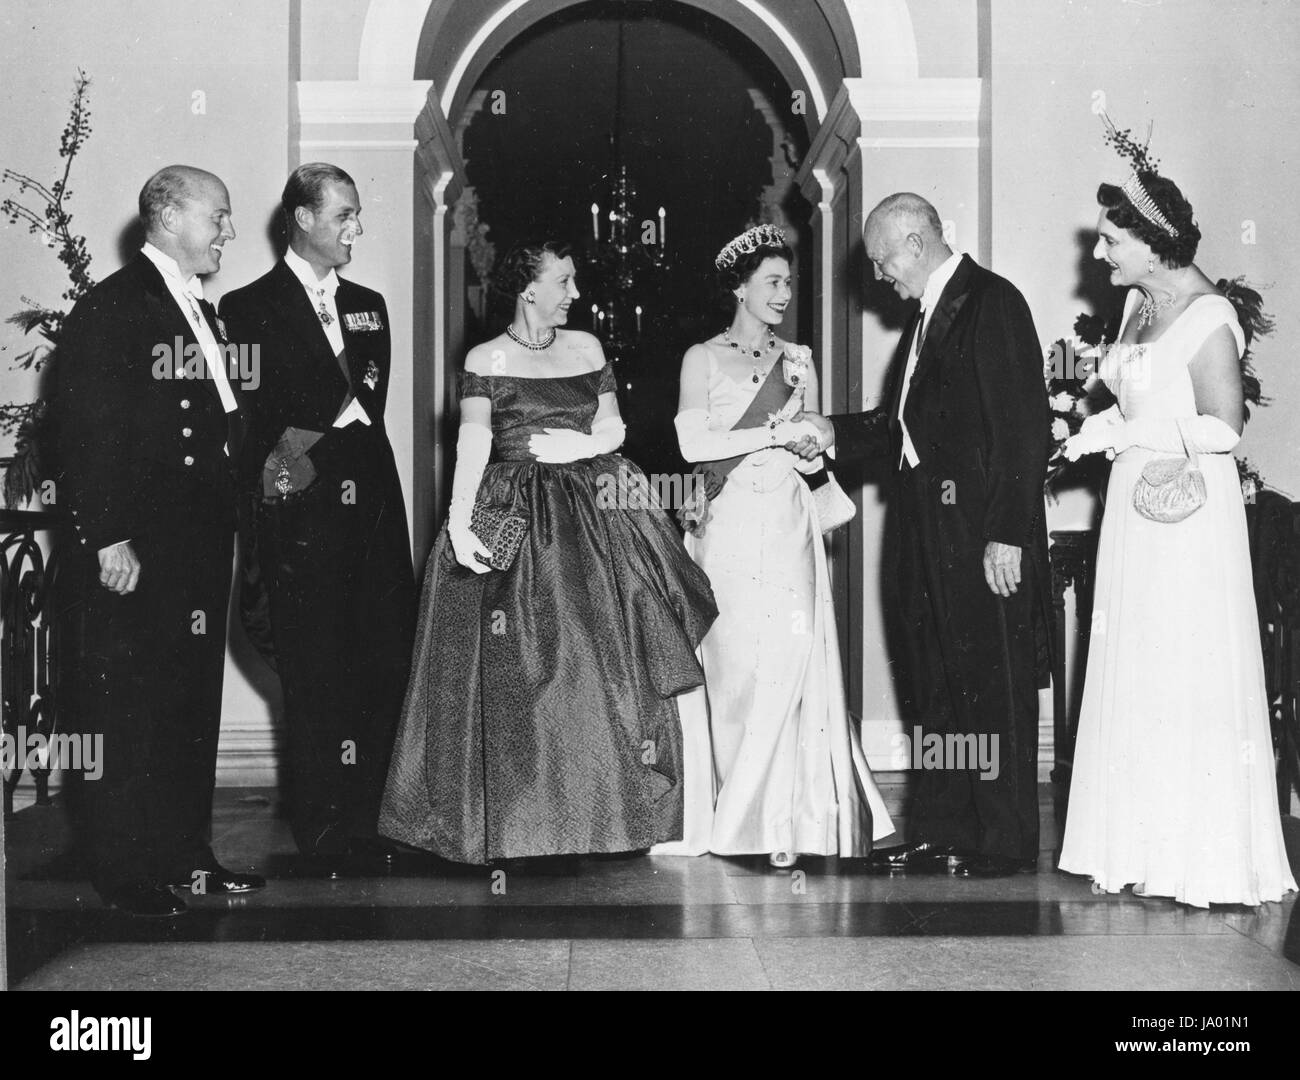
<point x="834" y="508"/>
<point x="1170" y="488"/>
<point x="501" y="531"/>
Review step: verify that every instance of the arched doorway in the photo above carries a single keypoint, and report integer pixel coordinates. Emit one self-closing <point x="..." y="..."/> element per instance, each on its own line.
<point x="874" y="125"/>
<point x="690" y="117"/>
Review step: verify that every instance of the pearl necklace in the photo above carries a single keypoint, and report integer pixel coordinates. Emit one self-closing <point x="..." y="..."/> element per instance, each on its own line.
<point x="534" y="346"/>
<point x="755" y="352"/>
<point x="1151" y="309"/>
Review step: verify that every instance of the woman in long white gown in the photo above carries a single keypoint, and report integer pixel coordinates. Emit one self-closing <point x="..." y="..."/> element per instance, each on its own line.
<point x="1172" y="789"/>
<point x="779" y="768"/>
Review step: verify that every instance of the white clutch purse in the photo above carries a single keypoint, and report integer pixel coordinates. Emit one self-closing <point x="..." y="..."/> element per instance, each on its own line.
<point x="834" y="508"/>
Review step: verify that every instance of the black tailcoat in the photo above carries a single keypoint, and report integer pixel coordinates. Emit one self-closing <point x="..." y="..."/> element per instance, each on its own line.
<point x="333" y="561"/>
<point x="971" y="661"/>
<point x="143" y="457"/>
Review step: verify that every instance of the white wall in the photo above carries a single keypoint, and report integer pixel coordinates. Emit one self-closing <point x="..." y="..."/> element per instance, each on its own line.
<point x="1221" y="81"/>
<point x="147" y="61"/>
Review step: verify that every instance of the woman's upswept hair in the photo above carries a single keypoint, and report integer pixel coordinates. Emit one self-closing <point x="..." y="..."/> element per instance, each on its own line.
<point x="523" y="263"/>
<point x="1173" y="251"/>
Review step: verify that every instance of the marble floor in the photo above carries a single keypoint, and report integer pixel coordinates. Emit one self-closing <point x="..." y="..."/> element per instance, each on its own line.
<point x="627" y="922"/>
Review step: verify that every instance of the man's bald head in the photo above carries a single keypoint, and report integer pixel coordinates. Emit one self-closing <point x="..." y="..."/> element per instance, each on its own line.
<point x="904" y="241"/>
<point x="908" y="212"/>
<point x="172" y="185"/>
<point x="186" y="214"/>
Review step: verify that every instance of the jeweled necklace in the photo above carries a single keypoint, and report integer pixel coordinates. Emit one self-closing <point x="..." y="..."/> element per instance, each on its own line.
<point x="534" y="346"/>
<point x="756" y="352"/>
<point x="1151" y="309"/>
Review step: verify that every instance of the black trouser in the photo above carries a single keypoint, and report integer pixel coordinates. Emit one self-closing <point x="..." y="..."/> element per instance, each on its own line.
<point x="969" y="660"/>
<point x="337" y="566"/>
<point x="144" y="674"/>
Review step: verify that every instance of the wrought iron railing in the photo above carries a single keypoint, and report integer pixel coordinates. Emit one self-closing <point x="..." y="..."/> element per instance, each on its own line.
<point x="29" y="643"/>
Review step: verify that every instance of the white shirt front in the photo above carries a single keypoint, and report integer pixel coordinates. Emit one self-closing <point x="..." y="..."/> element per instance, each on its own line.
<point x="934" y="286"/>
<point x="320" y="291"/>
<point x="187" y="295"/>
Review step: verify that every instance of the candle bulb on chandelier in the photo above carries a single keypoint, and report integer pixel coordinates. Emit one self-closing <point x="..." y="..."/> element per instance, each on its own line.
<point x="638" y="320"/>
<point x="595" y="222"/>
<point x="663" y="217"/>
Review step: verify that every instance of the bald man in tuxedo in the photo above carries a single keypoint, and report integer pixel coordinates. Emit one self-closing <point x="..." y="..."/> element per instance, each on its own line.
<point x="966" y="435"/>
<point x="146" y="420"/>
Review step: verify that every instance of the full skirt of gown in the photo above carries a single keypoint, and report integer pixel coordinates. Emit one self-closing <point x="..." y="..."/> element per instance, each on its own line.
<point x="541" y="716"/>
<point x="773" y="761"/>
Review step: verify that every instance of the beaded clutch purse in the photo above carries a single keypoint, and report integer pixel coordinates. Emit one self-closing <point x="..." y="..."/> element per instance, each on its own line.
<point x="1170" y="488"/>
<point x="502" y="532"/>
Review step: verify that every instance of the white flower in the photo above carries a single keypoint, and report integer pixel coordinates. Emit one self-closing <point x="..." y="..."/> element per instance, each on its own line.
<point x="800" y="354"/>
<point x="1060" y="430"/>
<point x="1062" y="402"/>
<point x="794" y="364"/>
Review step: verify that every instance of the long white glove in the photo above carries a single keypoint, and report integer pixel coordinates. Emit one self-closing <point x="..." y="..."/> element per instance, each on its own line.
<point x="698" y="443"/>
<point x="556" y="446"/>
<point x="1201" y="435"/>
<point x="473" y="447"/>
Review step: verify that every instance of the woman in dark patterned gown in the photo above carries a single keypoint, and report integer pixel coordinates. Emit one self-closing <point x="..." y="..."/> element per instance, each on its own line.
<point x="541" y="716"/>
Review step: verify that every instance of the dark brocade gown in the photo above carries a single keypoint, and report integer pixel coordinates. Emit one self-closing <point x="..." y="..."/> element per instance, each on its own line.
<point x="541" y="716"/>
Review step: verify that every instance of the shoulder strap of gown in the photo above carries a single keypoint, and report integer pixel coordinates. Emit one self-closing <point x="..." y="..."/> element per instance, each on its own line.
<point x="1204" y="316"/>
<point x="470" y="384"/>
<point x="1131" y="301"/>
<point x="608" y="384"/>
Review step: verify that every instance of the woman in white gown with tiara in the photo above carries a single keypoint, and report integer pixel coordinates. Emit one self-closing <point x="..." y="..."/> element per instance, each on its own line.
<point x="1172" y="789"/>
<point x="779" y="769"/>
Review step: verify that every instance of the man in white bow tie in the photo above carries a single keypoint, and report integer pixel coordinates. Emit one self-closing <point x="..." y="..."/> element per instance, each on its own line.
<point x="965" y="436"/>
<point x="329" y="594"/>
<point x="147" y="420"/>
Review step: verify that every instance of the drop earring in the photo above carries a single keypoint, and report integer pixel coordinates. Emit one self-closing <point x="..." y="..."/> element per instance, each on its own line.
<point x="1151" y="266"/>
<point x="530" y="298"/>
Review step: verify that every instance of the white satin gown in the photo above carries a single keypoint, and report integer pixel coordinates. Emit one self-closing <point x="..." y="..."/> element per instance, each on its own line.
<point x="1172" y="788"/>
<point x="772" y="760"/>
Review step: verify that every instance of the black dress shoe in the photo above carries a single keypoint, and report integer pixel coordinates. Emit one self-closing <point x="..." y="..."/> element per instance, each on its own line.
<point x="145" y="901"/>
<point x="918" y="858"/>
<point x="994" y="866"/>
<point x="213" y="879"/>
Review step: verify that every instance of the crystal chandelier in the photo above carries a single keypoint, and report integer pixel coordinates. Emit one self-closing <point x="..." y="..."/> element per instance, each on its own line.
<point x="627" y="249"/>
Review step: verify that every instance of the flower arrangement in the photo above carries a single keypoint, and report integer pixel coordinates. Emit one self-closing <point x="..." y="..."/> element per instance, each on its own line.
<point x="1068" y="366"/>
<point x="27" y="421"/>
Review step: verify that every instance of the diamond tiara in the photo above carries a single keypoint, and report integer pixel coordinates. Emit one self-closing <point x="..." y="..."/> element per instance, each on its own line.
<point x="1145" y="205"/>
<point x="748" y="241"/>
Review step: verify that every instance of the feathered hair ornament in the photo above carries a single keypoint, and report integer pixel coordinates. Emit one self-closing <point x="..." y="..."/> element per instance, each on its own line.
<point x="1137" y="155"/>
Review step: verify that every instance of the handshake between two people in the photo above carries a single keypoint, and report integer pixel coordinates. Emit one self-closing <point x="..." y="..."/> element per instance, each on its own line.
<point x="810" y="445"/>
<point x="1001" y="562"/>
